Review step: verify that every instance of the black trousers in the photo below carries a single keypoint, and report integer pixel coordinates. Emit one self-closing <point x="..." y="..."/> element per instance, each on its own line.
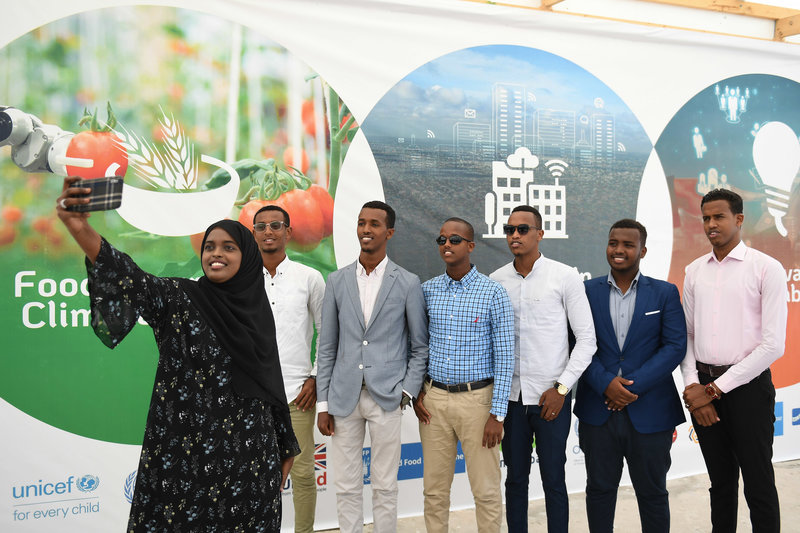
<point x="742" y="440"/>
<point x="648" y="458"/>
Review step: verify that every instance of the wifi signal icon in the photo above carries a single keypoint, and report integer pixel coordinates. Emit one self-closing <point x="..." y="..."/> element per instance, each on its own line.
<point x="620" y="147"/>
<point x="556" y="167"/>
<point x="431" y="135"/>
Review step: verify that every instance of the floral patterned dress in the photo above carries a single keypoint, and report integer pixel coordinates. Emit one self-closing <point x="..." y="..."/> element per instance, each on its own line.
<point x="210" y="459"/>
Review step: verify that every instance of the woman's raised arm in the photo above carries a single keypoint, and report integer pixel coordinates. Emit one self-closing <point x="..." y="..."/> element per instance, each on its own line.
<point x="76" y="222"/>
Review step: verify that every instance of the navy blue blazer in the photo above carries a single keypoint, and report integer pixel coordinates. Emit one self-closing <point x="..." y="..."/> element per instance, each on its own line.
<point x="655" y="346"/>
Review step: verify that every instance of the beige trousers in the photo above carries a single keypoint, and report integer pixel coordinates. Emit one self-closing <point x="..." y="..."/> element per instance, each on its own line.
<point x="304" y="485"/>
<point x="347" y="444"/>
<point x="459" y="416"/>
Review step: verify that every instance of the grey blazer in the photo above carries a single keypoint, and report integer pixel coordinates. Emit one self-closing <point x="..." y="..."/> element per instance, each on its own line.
<point x="390" y="355"/>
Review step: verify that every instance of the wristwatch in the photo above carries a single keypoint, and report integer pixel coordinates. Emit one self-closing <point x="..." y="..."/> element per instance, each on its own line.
<point x="562" y="389"/>
<point x="404" y="401"/>
<point x="711" y="391"/>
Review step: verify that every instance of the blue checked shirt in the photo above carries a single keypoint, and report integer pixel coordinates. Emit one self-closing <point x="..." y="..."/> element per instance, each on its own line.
<point x="471" y="332"/>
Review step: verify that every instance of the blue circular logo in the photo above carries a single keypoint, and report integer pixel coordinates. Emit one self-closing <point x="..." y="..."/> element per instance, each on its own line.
<point x="87" y="483"/>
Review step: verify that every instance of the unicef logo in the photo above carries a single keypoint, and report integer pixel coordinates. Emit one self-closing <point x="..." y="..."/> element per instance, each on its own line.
<point x="87" y="483"/>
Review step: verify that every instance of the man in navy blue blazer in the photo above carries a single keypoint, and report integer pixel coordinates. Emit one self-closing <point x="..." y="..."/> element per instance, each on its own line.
<point x="627" y="401"/>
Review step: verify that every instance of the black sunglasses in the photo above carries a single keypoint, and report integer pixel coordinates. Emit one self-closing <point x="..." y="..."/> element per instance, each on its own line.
<point x="523" y="229"/>
<point x="275" y="225"/>
<point x="454" y="239"/>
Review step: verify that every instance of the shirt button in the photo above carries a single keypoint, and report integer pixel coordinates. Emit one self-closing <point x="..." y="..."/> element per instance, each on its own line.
<point x="449" y="337"/>
<point x="365" y="343"/>
<point x="361" y="367"/>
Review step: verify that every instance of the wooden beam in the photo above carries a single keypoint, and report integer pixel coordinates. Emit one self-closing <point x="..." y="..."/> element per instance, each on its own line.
<point x="541" y="8"/>
<point x="734" y="7"/>
<point x="550" y="3"/>
<point x="787" y="26"/>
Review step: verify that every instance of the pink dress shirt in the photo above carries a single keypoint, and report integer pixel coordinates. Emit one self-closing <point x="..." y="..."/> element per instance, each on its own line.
<point x="735" y="315"/>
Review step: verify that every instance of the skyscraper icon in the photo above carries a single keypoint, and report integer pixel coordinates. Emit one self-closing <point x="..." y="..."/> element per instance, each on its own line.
<point x="508" y="117"/>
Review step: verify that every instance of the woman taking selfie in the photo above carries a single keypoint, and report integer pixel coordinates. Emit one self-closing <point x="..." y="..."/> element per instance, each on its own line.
<point x="218" y="441"/>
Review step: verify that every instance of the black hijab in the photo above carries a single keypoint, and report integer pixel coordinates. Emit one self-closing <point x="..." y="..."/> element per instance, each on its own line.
<point x="240" y="316"/>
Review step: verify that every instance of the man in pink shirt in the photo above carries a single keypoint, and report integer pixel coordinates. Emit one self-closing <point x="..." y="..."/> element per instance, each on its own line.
<point x="734" y="299"/>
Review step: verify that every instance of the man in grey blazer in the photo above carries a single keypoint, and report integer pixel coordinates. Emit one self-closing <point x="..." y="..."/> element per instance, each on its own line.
<point x="373" y="351"/>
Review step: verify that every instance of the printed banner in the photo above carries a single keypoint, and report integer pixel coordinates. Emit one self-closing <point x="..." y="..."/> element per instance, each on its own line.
<point x="211" y="109"/>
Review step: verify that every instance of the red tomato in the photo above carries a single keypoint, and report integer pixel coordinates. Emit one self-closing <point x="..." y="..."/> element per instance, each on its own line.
<point x="248" y="212"/>
<point x="309" y="118"/>
<point x="56" y="239"/>
<point x="196" y="241"/>
<point x="288" y="159"/>
<point x="12" y="214"/>
<point x="325" y="203"/>
<point x="306" y="218"/>
<point x="42" y="225"/>
<point x="108" y="156"/>
<point x="7" y="234"/>
<point x="310" y="128"/>
<point x="308" y="111"/>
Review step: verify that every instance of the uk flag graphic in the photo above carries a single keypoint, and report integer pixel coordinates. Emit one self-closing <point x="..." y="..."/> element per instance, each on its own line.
<point x="321" y="457"/>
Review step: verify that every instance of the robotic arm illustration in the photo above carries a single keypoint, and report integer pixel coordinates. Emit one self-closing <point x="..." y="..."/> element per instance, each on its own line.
<point x="36" y="146"/>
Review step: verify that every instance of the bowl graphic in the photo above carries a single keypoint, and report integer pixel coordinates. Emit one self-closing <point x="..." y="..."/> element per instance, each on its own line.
<point x="176" y="214"/>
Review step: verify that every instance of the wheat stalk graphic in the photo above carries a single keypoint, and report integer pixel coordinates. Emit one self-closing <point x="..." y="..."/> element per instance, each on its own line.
<point x="175" y="168"/>
<point x="181" y="155"/>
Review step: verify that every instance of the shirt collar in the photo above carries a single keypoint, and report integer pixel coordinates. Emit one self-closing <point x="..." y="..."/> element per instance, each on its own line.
<point x="634" y="283"/>
<point x="536" y="264"/>
<point x="283" y="265"/>
<point x="738" y="253"/>
<point x="281" y="268"/>
<point x="468" y="278"/>
<point x="377" y="271"/>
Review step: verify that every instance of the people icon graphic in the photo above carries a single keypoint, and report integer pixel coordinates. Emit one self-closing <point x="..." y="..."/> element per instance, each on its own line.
<point x="699" y="146"/>
<point x="712" y="180"/>
<point x="732" y="101"/>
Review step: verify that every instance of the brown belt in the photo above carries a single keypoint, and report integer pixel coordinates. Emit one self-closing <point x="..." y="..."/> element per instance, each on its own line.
<point x="714" y="371"/>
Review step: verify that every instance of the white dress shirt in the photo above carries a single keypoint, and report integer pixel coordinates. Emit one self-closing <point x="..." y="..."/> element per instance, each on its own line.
<point x="295" y="295"/>
<point x="543" y="301"/>
<point x="369" y="285"/>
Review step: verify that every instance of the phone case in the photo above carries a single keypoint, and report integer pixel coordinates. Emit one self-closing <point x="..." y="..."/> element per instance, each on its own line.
<point x="106" y="194"/>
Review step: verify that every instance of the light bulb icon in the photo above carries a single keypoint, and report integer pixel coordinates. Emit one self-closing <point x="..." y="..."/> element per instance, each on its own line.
<point x="776" y="154"/>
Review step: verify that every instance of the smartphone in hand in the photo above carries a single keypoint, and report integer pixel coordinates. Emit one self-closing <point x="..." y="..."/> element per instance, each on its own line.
<point x="106" y="194"/>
